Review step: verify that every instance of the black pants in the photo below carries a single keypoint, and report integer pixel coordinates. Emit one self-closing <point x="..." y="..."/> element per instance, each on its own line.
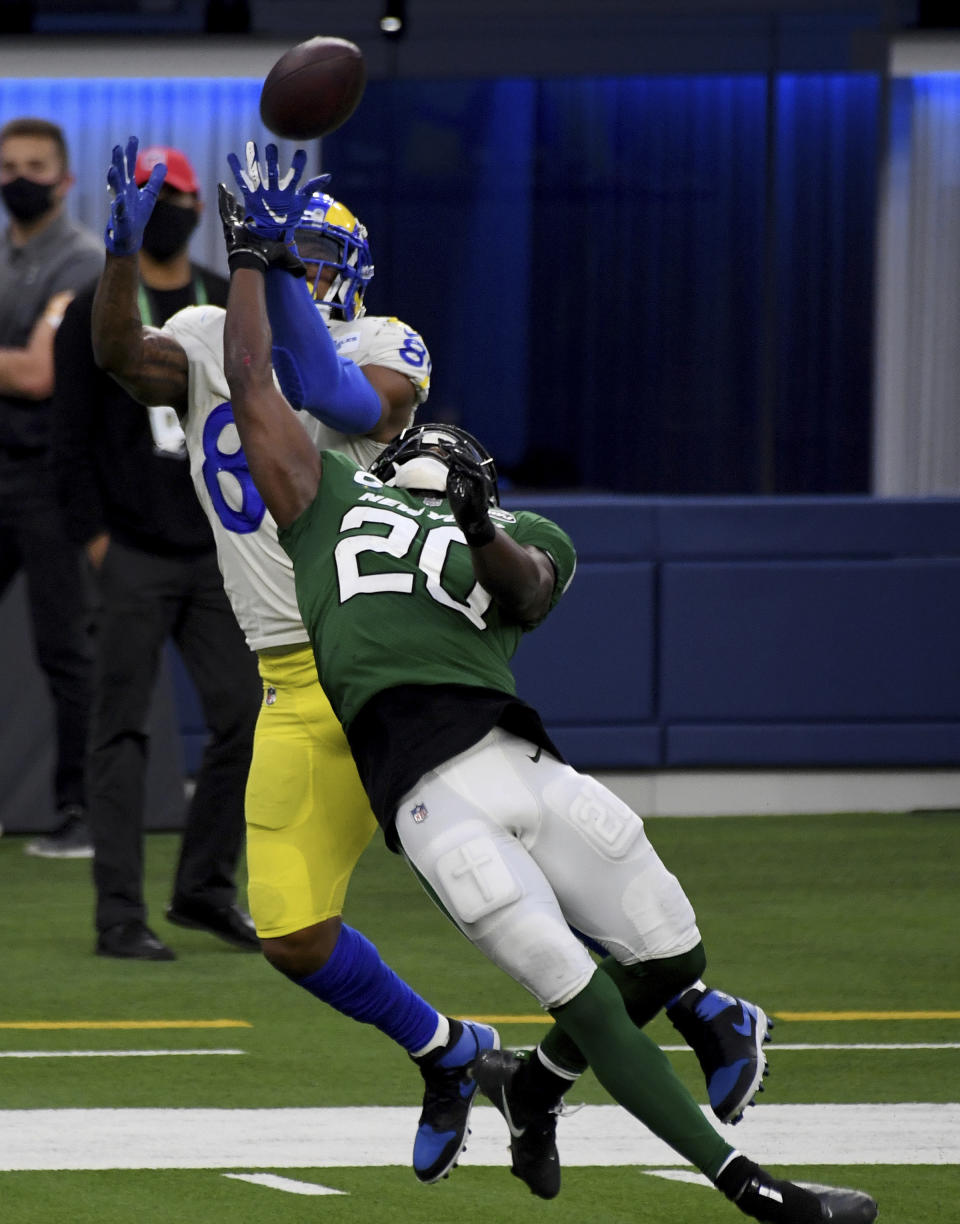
<point x="32" y="539"/>
<point x="144" y="600"/>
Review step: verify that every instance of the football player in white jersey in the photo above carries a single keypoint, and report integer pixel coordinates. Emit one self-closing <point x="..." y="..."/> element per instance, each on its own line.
<point x="360" y="379"/>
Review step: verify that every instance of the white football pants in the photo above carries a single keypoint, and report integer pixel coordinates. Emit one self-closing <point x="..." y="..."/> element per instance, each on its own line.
<point x="519" y="848"/>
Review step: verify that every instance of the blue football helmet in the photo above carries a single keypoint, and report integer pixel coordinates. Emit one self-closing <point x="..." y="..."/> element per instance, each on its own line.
<point x="331" y="236"/>
<point x="418" y="458"/>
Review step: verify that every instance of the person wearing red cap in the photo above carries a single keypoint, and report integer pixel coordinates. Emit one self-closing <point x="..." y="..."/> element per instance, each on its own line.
<point x="180" y="174"/>
<point x="124" y="480"/>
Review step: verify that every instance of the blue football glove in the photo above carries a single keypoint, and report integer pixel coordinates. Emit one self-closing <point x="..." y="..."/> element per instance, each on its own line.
<point x="132" y="205"/>
<point x="245" y="249"/>
<point x="274" y="205"/>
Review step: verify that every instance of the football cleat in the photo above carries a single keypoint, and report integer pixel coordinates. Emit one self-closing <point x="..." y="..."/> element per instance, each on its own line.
<point x="727" y="1035"/>
<point x="533" y="1133"/>
<point x="449" y="1091"/>
<point x="772" y="1201"/>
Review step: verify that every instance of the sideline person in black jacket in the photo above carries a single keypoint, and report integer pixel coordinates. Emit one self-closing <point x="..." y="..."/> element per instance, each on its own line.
<point x="124" y="482"/>
<point x="45" y="257"/>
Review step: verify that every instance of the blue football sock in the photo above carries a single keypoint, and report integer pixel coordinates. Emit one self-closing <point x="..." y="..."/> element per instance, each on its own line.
<point x="357" y="983"/>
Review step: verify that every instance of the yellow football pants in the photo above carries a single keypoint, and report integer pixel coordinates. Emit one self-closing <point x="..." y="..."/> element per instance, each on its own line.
<point x="308" y="819"/>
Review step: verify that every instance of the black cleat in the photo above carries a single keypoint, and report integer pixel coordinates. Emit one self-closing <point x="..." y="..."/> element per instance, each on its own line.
<point x="533" y="1134"/>
<point x="772" y="1201"/>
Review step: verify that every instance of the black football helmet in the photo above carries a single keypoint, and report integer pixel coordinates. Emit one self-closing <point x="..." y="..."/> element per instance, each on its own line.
<point x="433" y="442"/>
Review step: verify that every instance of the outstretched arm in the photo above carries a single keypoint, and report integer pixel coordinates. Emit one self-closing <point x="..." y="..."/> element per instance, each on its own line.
<point x="283" y="462"/>
<point x="352" y="399"/>
<point x="520" y="578"/>
<point x="149" y="366"/>
<point x="372" y="400"/>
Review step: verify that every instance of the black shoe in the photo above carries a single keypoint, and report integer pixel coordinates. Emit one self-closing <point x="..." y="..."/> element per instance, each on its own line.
<point x="132" y="941"/>
<point x="533" y="1133"/>
<point x="765" y="1198"/>
<point x="228" y="923"/>
<point x="69" y="840"/>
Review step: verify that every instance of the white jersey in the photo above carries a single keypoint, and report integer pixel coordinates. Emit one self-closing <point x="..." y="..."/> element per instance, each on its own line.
<point x="257" y="573"/>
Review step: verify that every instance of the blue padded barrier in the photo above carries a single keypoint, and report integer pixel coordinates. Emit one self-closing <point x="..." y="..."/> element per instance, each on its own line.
<point x="807" y="527"/>
<point x="603" y="526"/>
<point x="744" y="632"/>
<point x="812" y="745"/>
<point x="592" y="660"/>
<point x="622" y="746"/>
<point x="794" y="641"/>
<point x="788" y="632"/>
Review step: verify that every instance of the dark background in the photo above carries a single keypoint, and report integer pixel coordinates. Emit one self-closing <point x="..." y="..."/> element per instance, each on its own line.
<point x="638" y="235"/>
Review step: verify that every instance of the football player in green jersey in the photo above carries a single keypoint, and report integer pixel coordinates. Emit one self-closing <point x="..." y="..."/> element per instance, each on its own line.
<point x="415" y="588"/>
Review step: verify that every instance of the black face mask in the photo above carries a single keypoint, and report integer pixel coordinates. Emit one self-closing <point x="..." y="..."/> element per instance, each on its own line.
<point x="168" y="230"/>
<point x="27" y="200"/>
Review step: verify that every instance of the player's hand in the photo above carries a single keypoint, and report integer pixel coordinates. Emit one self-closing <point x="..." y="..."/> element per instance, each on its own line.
<point x="469" y="491"/>
<point x="245" y="247"/>
<point x="274" y="205"/>
<point x="132" y="205"/>
<point x="96" y="549"/>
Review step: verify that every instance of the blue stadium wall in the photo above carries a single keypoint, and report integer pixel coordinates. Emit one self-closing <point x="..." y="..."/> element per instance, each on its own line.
<point x="744" y="632"/>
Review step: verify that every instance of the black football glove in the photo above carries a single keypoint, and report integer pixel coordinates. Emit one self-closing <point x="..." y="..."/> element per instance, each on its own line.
<point x="245" y="249"/>
<point x="468" y="491"/>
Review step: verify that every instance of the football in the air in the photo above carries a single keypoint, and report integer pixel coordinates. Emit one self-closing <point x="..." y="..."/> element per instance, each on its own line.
<point x="313" y="88"/>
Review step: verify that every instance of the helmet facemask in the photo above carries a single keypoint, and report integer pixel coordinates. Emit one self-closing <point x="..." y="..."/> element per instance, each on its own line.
<point x="419" y="458"/>
<point x="330" y="236"/>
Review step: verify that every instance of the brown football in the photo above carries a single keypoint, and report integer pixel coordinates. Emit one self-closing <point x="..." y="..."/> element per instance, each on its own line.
<point x="313" y="88"/>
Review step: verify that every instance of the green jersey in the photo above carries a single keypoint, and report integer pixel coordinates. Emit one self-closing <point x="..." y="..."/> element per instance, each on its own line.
<point x="387" y="591"/>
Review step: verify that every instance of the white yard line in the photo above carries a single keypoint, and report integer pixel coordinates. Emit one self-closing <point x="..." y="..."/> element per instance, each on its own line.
<point x="777" y="1047"/>
<point x="371" y="1136"/>
<point x="273" y="1182"/>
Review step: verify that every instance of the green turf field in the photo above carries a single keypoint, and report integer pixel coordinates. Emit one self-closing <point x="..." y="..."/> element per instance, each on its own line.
<point x="814" y="917"/>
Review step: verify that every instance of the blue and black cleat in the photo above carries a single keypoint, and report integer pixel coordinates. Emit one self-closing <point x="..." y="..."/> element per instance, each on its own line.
<point x="449" y="1091"/>
<point x="727" y="1035"/>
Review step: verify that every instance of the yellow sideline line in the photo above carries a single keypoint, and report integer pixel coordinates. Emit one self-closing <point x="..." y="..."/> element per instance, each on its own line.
<point x="817" y="1015"/>
<point x="123" y="1024"/>
<point x="50" y="1025"/>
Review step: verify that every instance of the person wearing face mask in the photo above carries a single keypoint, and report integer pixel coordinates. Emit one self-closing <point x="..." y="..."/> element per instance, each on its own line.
<point x="123" y="478"/>
<point x="44" y="258"/>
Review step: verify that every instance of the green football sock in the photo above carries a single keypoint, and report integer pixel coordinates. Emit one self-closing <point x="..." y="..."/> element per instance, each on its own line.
<point x="637" y="1074"/>
<point x="646" y="987"/>
<point x="563" y="1051"/>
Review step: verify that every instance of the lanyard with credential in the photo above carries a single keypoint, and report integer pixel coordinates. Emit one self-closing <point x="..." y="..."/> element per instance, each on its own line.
<point x="146" y="311"/>
<point x="165" y="427"/>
